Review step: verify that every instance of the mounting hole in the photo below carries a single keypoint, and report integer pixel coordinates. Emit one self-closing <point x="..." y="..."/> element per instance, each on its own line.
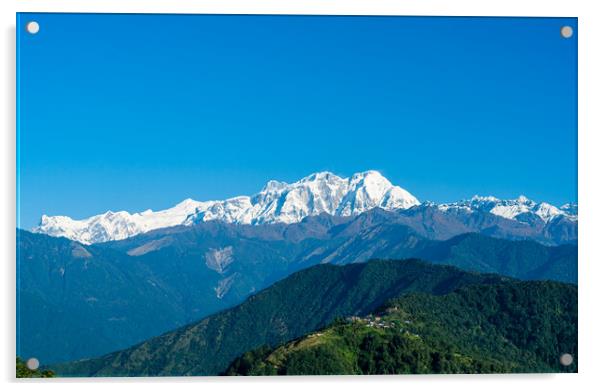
<point x="566" y="359"/>
<point x="32" y="27"/>
<point x="566" y="31"/>
<point x="33" y="363"/>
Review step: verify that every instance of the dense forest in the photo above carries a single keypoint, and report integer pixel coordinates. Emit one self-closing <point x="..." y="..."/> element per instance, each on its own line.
<point x="507" y="327"/>
<point x="305" y="301"/>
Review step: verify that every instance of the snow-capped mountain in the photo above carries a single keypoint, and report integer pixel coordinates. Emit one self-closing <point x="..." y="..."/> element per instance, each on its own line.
<point x="277" y="202"/>
<point x="324" y="192"/>
<point x="116" y="225"/>
<point x="570" y="208"/>
<point x="520" y="209"/>
<point x="280" y="202"/>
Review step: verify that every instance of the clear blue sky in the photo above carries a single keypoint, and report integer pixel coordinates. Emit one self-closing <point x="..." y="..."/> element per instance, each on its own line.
<point x="135" y="111"/>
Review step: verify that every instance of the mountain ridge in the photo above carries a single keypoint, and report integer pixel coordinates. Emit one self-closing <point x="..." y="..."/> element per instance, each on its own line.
<point x="280" y="202"/>
<point x="285" y="310"/>
<point x="511" y="327"/>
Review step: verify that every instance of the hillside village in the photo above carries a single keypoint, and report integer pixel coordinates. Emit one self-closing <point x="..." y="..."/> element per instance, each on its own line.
<point x="384" y="321"/>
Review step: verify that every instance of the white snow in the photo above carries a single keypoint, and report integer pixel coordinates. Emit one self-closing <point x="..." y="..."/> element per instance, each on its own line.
<point x="322" y="192"/>
<point x="512" y="208"/>
<point x="277" y="202"/>
<point x="116" y="225"/>
<point x="280" y="202"/>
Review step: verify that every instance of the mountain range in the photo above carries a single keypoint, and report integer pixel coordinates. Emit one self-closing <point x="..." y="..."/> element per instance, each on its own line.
<point x="306" y="300"/>
<point x="103" y="293"/>
<point x="316" y="194"/>
<point x="96" y="283"/>
<point x="481" y="314"/>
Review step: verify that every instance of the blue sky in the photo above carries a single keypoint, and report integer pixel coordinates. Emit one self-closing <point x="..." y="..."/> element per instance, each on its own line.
<point x="130" y="112"/>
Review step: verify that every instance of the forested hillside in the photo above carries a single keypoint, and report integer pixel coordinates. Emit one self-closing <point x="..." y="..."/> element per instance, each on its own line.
<point x="500" y="328"/>
<point x="305" y="301"/>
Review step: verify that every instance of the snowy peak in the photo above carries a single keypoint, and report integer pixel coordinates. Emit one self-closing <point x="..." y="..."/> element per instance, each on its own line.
<point x="115" y="225"/>
<point x="523" y="200"/>
<point x="277" y="202"/>
<point x="368" y="190"/>
<point x="520" y="208"/>
<point x="324" y="176"/>
<point x="570" y="208"/>
<point x="322" y="192"/>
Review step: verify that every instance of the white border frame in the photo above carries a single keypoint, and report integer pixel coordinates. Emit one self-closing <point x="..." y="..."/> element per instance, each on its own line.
<point x="590" y="197"/>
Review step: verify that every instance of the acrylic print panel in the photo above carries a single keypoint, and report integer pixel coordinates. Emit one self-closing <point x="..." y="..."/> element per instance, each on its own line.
<point x="296" y="195"/>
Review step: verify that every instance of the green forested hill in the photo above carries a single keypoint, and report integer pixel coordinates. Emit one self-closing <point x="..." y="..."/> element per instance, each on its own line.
<point x="305" y="301"/>
<point x="508" y="327"/>
<point x="522" y="259"/>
